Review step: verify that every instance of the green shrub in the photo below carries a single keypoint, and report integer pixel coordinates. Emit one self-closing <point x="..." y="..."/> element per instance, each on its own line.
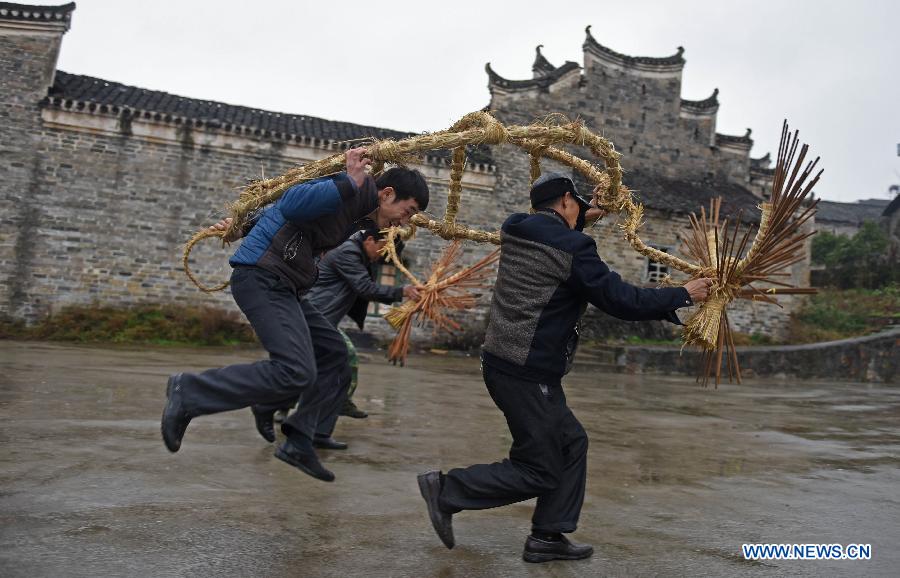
<point x="862" y="261"/>
<point x="838" y="314"/>
<point x="159" y="324"/>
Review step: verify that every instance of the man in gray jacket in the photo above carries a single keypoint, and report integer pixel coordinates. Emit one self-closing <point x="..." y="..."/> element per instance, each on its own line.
<point x="549" y="272"/>
<point x="345" y="286"/>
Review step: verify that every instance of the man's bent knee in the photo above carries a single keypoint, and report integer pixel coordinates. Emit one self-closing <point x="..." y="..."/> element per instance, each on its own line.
<point x="292" y="378"/>
<point x="542" y="479"/>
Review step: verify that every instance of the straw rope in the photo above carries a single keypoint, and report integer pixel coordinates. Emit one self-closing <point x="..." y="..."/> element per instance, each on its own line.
<point x="763" y="233"/>
<point x="535" y="165"/>
<point x="776" y="245"/>
<point x="475" y="128"/>
<point x="389" y="252"/>
<point x="453" y="195"/>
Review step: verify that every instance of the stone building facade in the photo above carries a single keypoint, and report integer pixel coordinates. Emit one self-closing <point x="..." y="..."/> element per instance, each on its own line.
<point x="101" y="183"/>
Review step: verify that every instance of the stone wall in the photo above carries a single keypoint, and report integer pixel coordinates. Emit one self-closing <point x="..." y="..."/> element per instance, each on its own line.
<point x="639" y="108"/>
<point x="97" y="203"/>
<point x="27" y="63"/>
<point x="118" y="198"/>
<point x="874" y="358"/>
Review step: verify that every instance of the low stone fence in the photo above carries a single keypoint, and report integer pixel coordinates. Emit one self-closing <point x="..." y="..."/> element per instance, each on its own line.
<point x="873" y="358"/>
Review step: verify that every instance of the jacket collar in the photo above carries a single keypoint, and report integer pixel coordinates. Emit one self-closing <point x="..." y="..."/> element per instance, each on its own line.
<point x="553" y="214"/>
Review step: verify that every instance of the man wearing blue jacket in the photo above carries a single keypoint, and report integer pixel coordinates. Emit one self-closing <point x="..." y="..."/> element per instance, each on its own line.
<point x="273" y="268"/>
<point x="345" y="286"/>
<point x="549" y="271"/>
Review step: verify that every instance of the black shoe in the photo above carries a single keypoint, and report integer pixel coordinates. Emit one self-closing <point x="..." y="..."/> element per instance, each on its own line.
<point x="430" y="487"/>
<point x="537" y="550"/>
<point x="174" y="419"/>
<point x="304" y="460"/>
<point x="350" y="410"/>
<point x="328" y="443"/>
<point x="265" y="424"/>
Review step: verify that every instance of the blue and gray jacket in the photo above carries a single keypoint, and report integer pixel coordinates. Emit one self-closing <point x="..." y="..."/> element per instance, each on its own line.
<point x="547" y="275"/>
<point x="289" y="235"/>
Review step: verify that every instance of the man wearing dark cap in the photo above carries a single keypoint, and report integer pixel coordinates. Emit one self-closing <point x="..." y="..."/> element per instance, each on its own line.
<point x="549" y="271"/>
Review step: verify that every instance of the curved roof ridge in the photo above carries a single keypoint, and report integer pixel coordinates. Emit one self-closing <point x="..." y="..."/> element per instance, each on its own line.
<point x="541" y="66"/>
<point x="29" y="14"/>
<point x="590" y="43"/>
<point x="542" y="81"/>
<point x="710" y="102"/>
<point x="733" y="139"/>
<point x="35" y="12"/>
<point x="761" y="162"/>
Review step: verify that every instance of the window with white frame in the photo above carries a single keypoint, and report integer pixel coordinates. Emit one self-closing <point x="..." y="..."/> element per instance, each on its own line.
<point x="656" y="272"/>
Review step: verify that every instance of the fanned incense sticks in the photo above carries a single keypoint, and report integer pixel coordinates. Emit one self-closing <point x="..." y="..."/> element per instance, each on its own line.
<point x="778" y="244"/>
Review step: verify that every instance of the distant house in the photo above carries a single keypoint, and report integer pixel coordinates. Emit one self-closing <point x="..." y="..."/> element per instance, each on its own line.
<point x="847" y="218"/>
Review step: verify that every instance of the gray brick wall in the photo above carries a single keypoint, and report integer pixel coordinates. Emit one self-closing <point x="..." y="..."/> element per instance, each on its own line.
<point x="95" y="206"/>
<point x="27" y="63"/>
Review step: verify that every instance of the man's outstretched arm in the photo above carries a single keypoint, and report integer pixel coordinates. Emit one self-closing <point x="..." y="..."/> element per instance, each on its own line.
<point x="606" y="290"/>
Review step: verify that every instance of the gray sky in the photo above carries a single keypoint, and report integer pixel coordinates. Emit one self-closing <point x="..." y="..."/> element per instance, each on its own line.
<point x="830" y="68"/>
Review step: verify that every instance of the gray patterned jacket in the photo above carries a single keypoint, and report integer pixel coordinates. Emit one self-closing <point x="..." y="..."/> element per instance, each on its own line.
<point x="547" y="275"/>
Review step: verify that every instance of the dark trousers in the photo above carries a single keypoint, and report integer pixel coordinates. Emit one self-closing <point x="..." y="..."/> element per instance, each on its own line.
<point x="307" y="358"/>
<point x="548" y="458"/>
<point x="327" y="420"/>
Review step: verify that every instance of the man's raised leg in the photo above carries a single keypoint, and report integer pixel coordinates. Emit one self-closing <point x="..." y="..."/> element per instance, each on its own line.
<point x="274" y="312"/>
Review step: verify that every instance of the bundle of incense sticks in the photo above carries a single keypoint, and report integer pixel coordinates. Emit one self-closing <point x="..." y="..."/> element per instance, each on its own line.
<point x="779" y="243"/>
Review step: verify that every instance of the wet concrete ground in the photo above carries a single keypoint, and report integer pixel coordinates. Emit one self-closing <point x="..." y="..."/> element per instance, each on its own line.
<point x="679" y="477"/>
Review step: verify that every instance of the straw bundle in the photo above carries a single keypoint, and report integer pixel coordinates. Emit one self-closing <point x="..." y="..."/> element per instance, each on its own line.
<point x="476" y="128"/>
<point x="778" y="244"/>
<point x="448" y="288"/>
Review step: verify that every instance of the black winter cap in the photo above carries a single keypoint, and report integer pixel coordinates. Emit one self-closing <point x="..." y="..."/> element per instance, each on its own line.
<point x="553" y="185"/>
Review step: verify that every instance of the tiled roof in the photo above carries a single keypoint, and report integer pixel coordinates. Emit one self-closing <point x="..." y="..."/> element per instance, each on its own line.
<point x="685" y="196"/>
<point x="668" y="61"/>
<point x="543" y="81"/>
<point x="709" y="104"/>
<point x="30" y="13"/>
<point x="862" y="211"/>
<point x="74" y="90"/>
